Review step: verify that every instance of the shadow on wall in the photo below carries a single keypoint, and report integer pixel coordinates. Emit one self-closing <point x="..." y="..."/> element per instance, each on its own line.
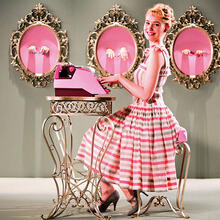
<point x="193" y="112"/>
<point x="36" y="108"/>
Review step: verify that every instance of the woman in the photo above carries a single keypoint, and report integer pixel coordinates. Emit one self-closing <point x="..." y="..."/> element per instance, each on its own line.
<point x="142" y="153"/>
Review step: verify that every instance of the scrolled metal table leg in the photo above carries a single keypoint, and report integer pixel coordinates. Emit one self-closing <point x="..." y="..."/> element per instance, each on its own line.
<point x="98" y="162"/>
<point x="54" y="124"/>
<point x="73" y="189"/>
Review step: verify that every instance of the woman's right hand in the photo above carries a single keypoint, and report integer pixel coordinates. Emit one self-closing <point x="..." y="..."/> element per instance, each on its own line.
<point x="110" y="79"/>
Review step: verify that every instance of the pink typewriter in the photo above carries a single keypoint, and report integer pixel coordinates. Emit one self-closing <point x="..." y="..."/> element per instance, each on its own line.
<point x="70" y="80"/>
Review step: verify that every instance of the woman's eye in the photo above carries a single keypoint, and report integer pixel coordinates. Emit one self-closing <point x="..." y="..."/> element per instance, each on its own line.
<point x="157" y="25"/>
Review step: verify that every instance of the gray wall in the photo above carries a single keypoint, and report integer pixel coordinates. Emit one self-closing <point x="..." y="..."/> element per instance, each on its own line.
<point x="23" y="107"/>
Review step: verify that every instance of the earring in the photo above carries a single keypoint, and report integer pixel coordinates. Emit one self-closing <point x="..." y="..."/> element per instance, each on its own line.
<point x="44" y="50"/>
<point x="32" y="49"/>
<point x="199" y="53"/>
<point x="187" y="52"/>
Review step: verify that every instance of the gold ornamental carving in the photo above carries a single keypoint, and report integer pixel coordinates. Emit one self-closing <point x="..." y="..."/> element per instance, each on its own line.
<point x="115" y="17"/>
<point x="96" y="106"/>
<point x="39" y="16"/>
<point x="193" y="18"/>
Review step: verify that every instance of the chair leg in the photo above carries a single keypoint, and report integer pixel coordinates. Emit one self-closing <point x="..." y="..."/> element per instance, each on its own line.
<point x="180" y="193"/>
<point x="185" y="151"/>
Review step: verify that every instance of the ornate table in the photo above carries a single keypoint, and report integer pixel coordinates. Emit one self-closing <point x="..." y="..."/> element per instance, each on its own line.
<point x="76" y="186"/>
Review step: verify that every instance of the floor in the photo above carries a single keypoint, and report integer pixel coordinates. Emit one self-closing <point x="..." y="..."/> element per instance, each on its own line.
<point x="29" y="198"/>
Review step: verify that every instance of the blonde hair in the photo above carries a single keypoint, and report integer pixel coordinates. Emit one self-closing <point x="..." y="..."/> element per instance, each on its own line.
<point x="164" y="12"/>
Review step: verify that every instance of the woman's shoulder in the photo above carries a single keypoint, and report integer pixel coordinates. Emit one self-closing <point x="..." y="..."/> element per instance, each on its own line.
<point x="162" y="49"/>
<point x="157" y="50"/>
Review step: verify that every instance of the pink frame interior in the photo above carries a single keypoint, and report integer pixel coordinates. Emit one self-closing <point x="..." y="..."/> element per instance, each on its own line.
<point x="192" y="39"/>
<point x="115" y="38"/>
<point x="39" y="36"/>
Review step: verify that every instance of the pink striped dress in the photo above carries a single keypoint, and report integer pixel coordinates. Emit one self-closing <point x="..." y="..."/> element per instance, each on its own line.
<point x="142" y="152"/>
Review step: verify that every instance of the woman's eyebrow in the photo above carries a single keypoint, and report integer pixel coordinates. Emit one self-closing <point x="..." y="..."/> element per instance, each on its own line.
<point x="153" y="22"/>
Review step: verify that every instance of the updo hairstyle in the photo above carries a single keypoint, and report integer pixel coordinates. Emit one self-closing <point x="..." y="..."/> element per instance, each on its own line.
<point x="165" y="12"/>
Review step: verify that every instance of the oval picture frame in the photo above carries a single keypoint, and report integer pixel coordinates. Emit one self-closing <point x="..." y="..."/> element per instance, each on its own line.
<point x="37" y="46"/>
<point x="193" y="62"/>
<point x="115" y="30"/>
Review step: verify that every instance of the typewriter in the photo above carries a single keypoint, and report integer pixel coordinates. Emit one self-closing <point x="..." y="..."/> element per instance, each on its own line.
<point x="70" y="80"/>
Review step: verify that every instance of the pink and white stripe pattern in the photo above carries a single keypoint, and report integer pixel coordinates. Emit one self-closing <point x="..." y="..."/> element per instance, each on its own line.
<point x="141" y="154"/>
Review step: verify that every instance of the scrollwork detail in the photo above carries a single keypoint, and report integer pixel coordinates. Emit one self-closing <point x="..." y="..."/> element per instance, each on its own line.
<point x="116" y="16"/>
<point x="194" y="18"/>
<point x="38" y="16"/>
<point x="80" y="107"/>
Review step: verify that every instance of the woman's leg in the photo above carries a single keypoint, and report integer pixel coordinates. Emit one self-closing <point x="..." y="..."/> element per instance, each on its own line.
<point x="106" y="189"/>
<point x="129" y="194"/>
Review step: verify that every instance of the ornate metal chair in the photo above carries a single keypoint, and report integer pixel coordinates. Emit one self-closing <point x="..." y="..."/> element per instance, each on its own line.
<point x="183" y="150"/>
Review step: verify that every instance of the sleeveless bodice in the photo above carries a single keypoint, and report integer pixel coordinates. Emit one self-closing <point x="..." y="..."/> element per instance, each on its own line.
<point x="157" y="97"/>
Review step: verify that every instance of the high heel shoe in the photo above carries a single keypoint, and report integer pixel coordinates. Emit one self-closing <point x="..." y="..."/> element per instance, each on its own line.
<point x="134" y="208"/>
<point x="113" y="198"/>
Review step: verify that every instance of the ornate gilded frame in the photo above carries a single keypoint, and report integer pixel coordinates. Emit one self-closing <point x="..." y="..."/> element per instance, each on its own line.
<point x="38" y="16"/>
<point x="116" y="16"/>
<point x="194" y="18"/>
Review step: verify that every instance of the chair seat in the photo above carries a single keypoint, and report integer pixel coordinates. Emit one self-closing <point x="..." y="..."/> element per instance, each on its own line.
<point x="182" y="138"/>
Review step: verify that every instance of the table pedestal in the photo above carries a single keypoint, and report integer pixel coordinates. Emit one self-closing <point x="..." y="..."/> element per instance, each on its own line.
<point x="76" y="186"/>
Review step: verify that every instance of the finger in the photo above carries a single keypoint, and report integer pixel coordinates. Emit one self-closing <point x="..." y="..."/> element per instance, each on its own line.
<point x="104" y="81"/>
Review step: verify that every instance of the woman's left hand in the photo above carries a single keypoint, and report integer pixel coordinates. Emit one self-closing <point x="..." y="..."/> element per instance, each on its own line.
<point x="110" y="79"/>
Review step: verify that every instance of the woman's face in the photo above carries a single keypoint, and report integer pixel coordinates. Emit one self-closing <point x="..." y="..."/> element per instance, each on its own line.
<point x="154" y="28"/>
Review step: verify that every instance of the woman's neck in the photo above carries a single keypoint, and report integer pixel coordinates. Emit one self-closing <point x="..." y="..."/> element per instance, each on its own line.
<point x="154" y="43"/>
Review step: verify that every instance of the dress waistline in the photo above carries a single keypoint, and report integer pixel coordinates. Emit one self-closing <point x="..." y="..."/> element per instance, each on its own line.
<point x="156" y="99"/>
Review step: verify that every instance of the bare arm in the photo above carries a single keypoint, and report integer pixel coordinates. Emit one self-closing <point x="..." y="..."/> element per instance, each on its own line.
<point x="150" y="77"/>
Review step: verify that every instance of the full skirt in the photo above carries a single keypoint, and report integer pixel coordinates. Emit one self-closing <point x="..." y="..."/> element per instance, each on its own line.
<point x="141" y="154"/>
